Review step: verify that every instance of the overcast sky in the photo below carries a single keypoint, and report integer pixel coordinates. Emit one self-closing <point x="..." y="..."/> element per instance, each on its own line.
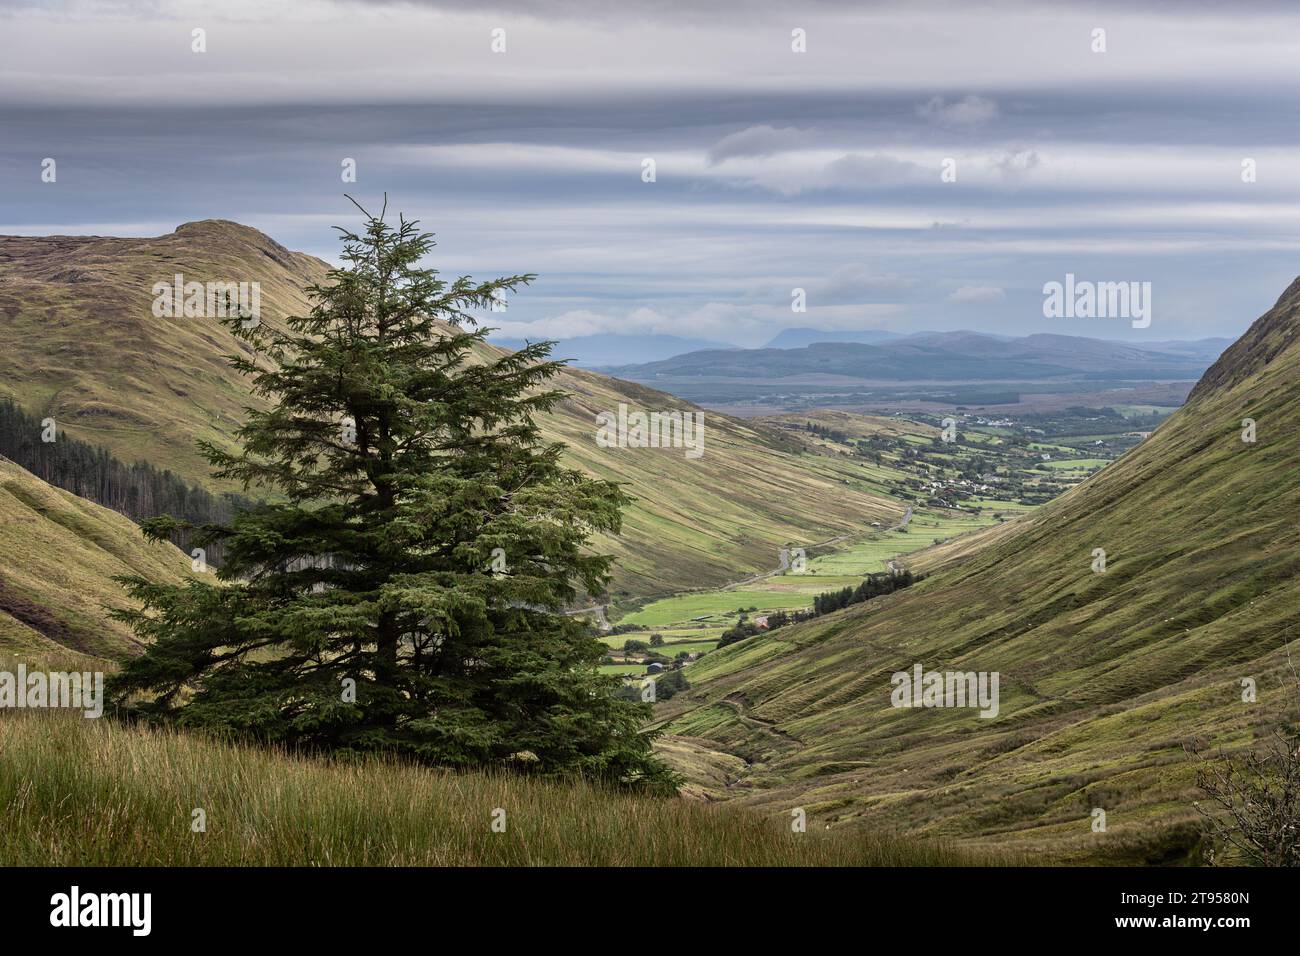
<point x="775" y="169"/>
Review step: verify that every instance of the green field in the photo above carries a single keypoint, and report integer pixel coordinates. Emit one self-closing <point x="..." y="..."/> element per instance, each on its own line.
<point x="1046" y="446"/>
<point x="1076" y="464"/>
<point x="711" y="605"/>
<point x="992" y="506"/>
<point x="672" y="636"/>
<point x="623" y="670"/>
<point x="675" y="618"/>
<point x="673" y="648"/>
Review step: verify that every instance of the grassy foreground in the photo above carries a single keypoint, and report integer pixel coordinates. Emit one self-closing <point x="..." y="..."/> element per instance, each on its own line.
<point x="95" y="793"/>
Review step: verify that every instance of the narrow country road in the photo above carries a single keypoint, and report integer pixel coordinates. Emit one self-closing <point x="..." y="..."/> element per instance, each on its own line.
<point x="598" y="611"/>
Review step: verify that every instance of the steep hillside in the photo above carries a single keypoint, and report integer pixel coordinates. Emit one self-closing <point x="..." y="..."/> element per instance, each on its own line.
<point x="1104" y="676"/>
<point x="1273" y="334"/>
<point x="720" y="517"/>
<point x="58" y="555"/>
<point x="79" y="343"/>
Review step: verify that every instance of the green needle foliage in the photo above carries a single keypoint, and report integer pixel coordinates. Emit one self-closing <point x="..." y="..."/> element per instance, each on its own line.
<point x="403" y="591"/>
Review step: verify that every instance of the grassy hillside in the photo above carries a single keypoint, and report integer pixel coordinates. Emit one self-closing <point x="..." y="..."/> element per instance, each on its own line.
<point x="706" y="521"/>
<point x="1104" y="676"/>
<point x="79" y="343"/>
<point x="58" y="554"/>
<point x="77" y="792"/>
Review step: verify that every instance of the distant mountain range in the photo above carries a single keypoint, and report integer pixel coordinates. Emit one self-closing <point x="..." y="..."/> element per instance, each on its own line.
<point x="629" y="355"/>
<point x="800" y="338"/>
<point x="596" y="351"/>
<point x="940" y="356"/>
<point x="600" y="351"/>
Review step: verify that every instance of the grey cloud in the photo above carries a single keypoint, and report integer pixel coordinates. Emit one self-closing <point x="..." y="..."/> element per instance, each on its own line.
<point x="1015" y="164"/>
<point x="977" y="294"/>
<point x="878" y="170"/>
<point x="968" y="111"/>
<point x="857" y="283"/>
<point x="691" y="251"/>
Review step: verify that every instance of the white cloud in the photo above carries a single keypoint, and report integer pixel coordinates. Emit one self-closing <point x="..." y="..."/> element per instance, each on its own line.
<point x="1059" y="167"/>
<point x="1015" y="165"/>
<point x="721" y="321"/>
<point x="743" y="324"/>
<point x="757" y="141"/>
<point x="977" y="294"/>
<point x="271" y="53"/>
<point x="856" y="284"/>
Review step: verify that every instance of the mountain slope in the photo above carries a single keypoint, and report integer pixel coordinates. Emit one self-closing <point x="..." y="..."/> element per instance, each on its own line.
<point x="1104" y="676"/>
<point x="78" y="343"/>
<point x="58" y="555"/>
<point x="707" y="521"/>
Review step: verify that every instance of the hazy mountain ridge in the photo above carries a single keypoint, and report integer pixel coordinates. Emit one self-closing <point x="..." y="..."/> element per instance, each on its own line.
<point x="801" y="337"/>
<point x="968" y="356"/>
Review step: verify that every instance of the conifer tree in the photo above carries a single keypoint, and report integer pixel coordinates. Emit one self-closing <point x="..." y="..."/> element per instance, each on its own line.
<point x="402" y="590"/>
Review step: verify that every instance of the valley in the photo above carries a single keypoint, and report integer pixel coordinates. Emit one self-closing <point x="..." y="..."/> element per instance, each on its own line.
<point x="1112" y="675"/>
<point x="583" y="438"/>
<point x="992" y="471"/>
<point x="770" y="587"/>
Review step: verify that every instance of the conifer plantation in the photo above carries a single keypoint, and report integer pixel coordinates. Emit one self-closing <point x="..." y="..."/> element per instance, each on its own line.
<point x="402" y="588"/>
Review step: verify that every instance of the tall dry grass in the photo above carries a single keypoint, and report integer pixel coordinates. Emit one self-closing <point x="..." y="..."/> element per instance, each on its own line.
<point x="97" y="793"/>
